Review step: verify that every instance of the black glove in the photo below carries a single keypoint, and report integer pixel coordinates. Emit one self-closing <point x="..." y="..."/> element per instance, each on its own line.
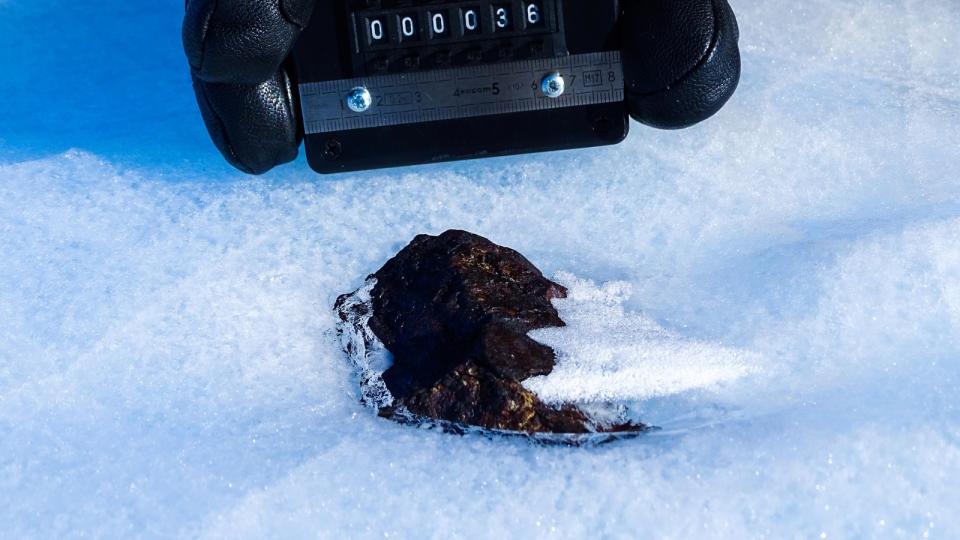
<point x="681" y="64"/>
<point x="680" y="59"/>
<point x="238" y="53"/>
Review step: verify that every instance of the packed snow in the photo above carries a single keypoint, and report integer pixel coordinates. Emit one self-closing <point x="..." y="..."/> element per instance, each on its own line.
<point x="169" y="365"/>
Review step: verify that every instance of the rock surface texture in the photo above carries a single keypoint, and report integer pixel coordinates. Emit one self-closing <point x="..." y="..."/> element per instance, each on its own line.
<point x="454" y="311"/>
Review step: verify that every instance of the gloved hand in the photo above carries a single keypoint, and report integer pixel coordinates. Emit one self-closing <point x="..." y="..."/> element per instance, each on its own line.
<point x="681" y="64"/>
<point x="681" y="60"/>
<point x="238" y="51"/>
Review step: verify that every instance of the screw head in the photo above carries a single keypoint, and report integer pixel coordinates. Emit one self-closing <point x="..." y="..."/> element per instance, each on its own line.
<point x="359" y="99"/>
<point x="332" y="149"/>
<point x="553" y="85"/>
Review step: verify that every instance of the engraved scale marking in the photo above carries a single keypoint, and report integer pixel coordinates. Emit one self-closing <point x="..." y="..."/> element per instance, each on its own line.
<point x="464" y="92"/>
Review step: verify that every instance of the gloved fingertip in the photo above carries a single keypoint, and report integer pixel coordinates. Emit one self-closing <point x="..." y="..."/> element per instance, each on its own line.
<point x="297" y="11"/>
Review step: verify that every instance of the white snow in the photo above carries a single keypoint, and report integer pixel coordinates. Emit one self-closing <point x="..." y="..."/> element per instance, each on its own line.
<point x="168" y="365"/>
<point x="608" y="355"/>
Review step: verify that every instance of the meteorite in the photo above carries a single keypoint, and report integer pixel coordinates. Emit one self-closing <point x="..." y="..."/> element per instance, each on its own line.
<point x="453" y="312"/>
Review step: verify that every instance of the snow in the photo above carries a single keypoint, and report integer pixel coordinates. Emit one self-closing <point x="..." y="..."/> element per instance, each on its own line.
<point x="607" y="355"/>
<point x="168" y="360"/>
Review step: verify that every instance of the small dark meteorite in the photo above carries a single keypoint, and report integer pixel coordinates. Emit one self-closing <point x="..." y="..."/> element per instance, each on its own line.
<point x="454" y="311"/>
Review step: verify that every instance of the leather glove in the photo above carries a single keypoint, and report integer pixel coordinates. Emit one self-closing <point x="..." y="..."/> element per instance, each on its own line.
<point x="681" y="64"/>
<point x="681" y="61"/>
<point x="238" y="52"/>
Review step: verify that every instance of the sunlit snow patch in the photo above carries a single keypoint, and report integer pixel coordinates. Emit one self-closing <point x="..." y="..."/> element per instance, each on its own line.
<point x="607" y="354"/>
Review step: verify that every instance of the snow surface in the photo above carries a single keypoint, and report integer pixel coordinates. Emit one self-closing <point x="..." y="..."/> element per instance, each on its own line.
<point x="606" y="355"/>
<point x="168" y="365"/>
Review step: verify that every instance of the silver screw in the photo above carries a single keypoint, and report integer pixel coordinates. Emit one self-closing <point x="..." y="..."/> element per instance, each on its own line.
<point x="553" y="85"/>
<point x="359" y="99"/>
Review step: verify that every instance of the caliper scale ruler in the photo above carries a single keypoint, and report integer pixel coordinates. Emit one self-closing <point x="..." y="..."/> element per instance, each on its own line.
<point x="464" y="92"/>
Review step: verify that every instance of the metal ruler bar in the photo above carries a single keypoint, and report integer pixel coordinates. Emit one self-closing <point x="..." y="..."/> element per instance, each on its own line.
<point x="465" y="92"/>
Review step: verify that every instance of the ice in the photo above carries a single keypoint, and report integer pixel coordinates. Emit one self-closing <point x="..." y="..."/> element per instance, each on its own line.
<point x="168" y="360"/>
